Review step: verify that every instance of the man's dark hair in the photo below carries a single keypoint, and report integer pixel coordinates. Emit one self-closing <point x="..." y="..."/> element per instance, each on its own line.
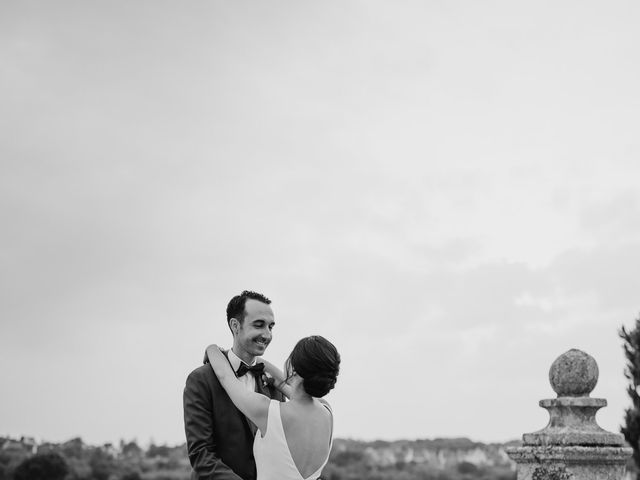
<point x="235" y="308"/>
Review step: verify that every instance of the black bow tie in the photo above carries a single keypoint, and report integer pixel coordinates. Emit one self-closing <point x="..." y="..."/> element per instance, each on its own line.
<point x="256" y="369"/>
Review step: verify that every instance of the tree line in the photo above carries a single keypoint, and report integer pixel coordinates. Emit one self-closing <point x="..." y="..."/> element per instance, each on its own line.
<point x="23" y="459"/>
<point x="349" y="460"/>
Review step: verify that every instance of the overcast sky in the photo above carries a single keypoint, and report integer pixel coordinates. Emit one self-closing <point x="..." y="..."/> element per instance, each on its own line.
<point x="446" y="190"/>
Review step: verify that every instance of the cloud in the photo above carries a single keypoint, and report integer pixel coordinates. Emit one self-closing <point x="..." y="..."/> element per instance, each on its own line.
<point x="615" y="220"/>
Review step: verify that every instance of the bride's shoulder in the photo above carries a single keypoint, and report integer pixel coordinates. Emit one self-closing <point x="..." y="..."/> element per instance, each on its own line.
<point x="324" y="404"/>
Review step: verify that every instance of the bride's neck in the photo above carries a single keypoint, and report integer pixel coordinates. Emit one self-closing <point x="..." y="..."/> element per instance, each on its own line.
<point x="299" y="395"/>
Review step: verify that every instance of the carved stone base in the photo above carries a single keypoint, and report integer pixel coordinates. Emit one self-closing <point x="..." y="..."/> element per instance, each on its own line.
<point x="569" y="462"/>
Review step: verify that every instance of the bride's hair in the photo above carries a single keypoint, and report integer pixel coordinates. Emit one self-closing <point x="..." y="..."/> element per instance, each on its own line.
<point x="317" y="361"/>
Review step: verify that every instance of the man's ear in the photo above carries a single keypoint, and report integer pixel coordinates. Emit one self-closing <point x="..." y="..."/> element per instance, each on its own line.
<point x="234" y="324"/>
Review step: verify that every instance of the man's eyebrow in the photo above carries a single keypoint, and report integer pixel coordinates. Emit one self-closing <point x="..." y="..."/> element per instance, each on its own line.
<point x="262" y="320"/>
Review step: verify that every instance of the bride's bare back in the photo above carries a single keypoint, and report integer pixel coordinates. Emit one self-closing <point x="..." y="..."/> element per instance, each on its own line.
<point x="308" y="430"/>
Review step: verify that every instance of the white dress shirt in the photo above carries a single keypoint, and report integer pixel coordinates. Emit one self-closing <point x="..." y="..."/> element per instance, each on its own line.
<point x="247" y="379"/>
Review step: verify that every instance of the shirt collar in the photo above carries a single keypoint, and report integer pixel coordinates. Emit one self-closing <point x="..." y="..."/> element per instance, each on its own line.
<point x="235" y="361"/>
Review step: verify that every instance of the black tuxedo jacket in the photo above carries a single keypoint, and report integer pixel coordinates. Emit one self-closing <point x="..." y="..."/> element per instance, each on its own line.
<point x="219" y="436"/>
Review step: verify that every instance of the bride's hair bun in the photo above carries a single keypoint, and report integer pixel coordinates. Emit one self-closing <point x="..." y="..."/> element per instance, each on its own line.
<point x="317" y="361"/>
<point x="319" y="385"/>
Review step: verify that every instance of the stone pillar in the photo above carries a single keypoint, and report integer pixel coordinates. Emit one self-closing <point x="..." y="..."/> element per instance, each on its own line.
<point x="572" y="446"/>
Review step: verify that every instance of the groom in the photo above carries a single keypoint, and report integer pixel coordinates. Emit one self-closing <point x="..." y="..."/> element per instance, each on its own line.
<point x="219" y="436"/>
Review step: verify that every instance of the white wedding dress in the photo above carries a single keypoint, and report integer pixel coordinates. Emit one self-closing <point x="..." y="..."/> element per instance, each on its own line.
<point x="272" y="454"/>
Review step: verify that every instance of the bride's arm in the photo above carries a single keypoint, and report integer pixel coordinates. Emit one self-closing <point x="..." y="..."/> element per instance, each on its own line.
<point x="278" y="377"/>
<point x="254" y="405"/>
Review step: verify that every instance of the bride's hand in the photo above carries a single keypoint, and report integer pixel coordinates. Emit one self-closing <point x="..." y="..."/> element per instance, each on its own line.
<point x="278" y="376"/>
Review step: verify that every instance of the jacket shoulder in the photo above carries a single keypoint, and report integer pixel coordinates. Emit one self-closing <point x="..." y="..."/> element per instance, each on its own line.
<point x="202" y="374"/>
<point x="202" y="371"/>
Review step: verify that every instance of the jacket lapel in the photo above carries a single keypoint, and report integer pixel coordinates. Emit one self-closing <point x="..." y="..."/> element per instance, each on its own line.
<point x="260" y="386"/>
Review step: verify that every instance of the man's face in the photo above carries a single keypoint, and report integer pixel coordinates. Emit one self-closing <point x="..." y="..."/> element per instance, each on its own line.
<point x="254" y="334"/>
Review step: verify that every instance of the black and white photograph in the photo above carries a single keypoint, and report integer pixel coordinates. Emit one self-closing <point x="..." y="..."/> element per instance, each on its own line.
<point x="336" y="240"/>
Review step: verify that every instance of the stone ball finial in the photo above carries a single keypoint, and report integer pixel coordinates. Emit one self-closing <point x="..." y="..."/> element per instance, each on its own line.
<point x="574" y="374"/>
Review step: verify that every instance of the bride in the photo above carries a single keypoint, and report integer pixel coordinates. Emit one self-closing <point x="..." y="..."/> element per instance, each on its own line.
<point x="294" y="438"/>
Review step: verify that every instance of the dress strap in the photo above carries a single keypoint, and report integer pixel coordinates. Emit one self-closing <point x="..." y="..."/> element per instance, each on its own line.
<point x="328" y="407"/>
